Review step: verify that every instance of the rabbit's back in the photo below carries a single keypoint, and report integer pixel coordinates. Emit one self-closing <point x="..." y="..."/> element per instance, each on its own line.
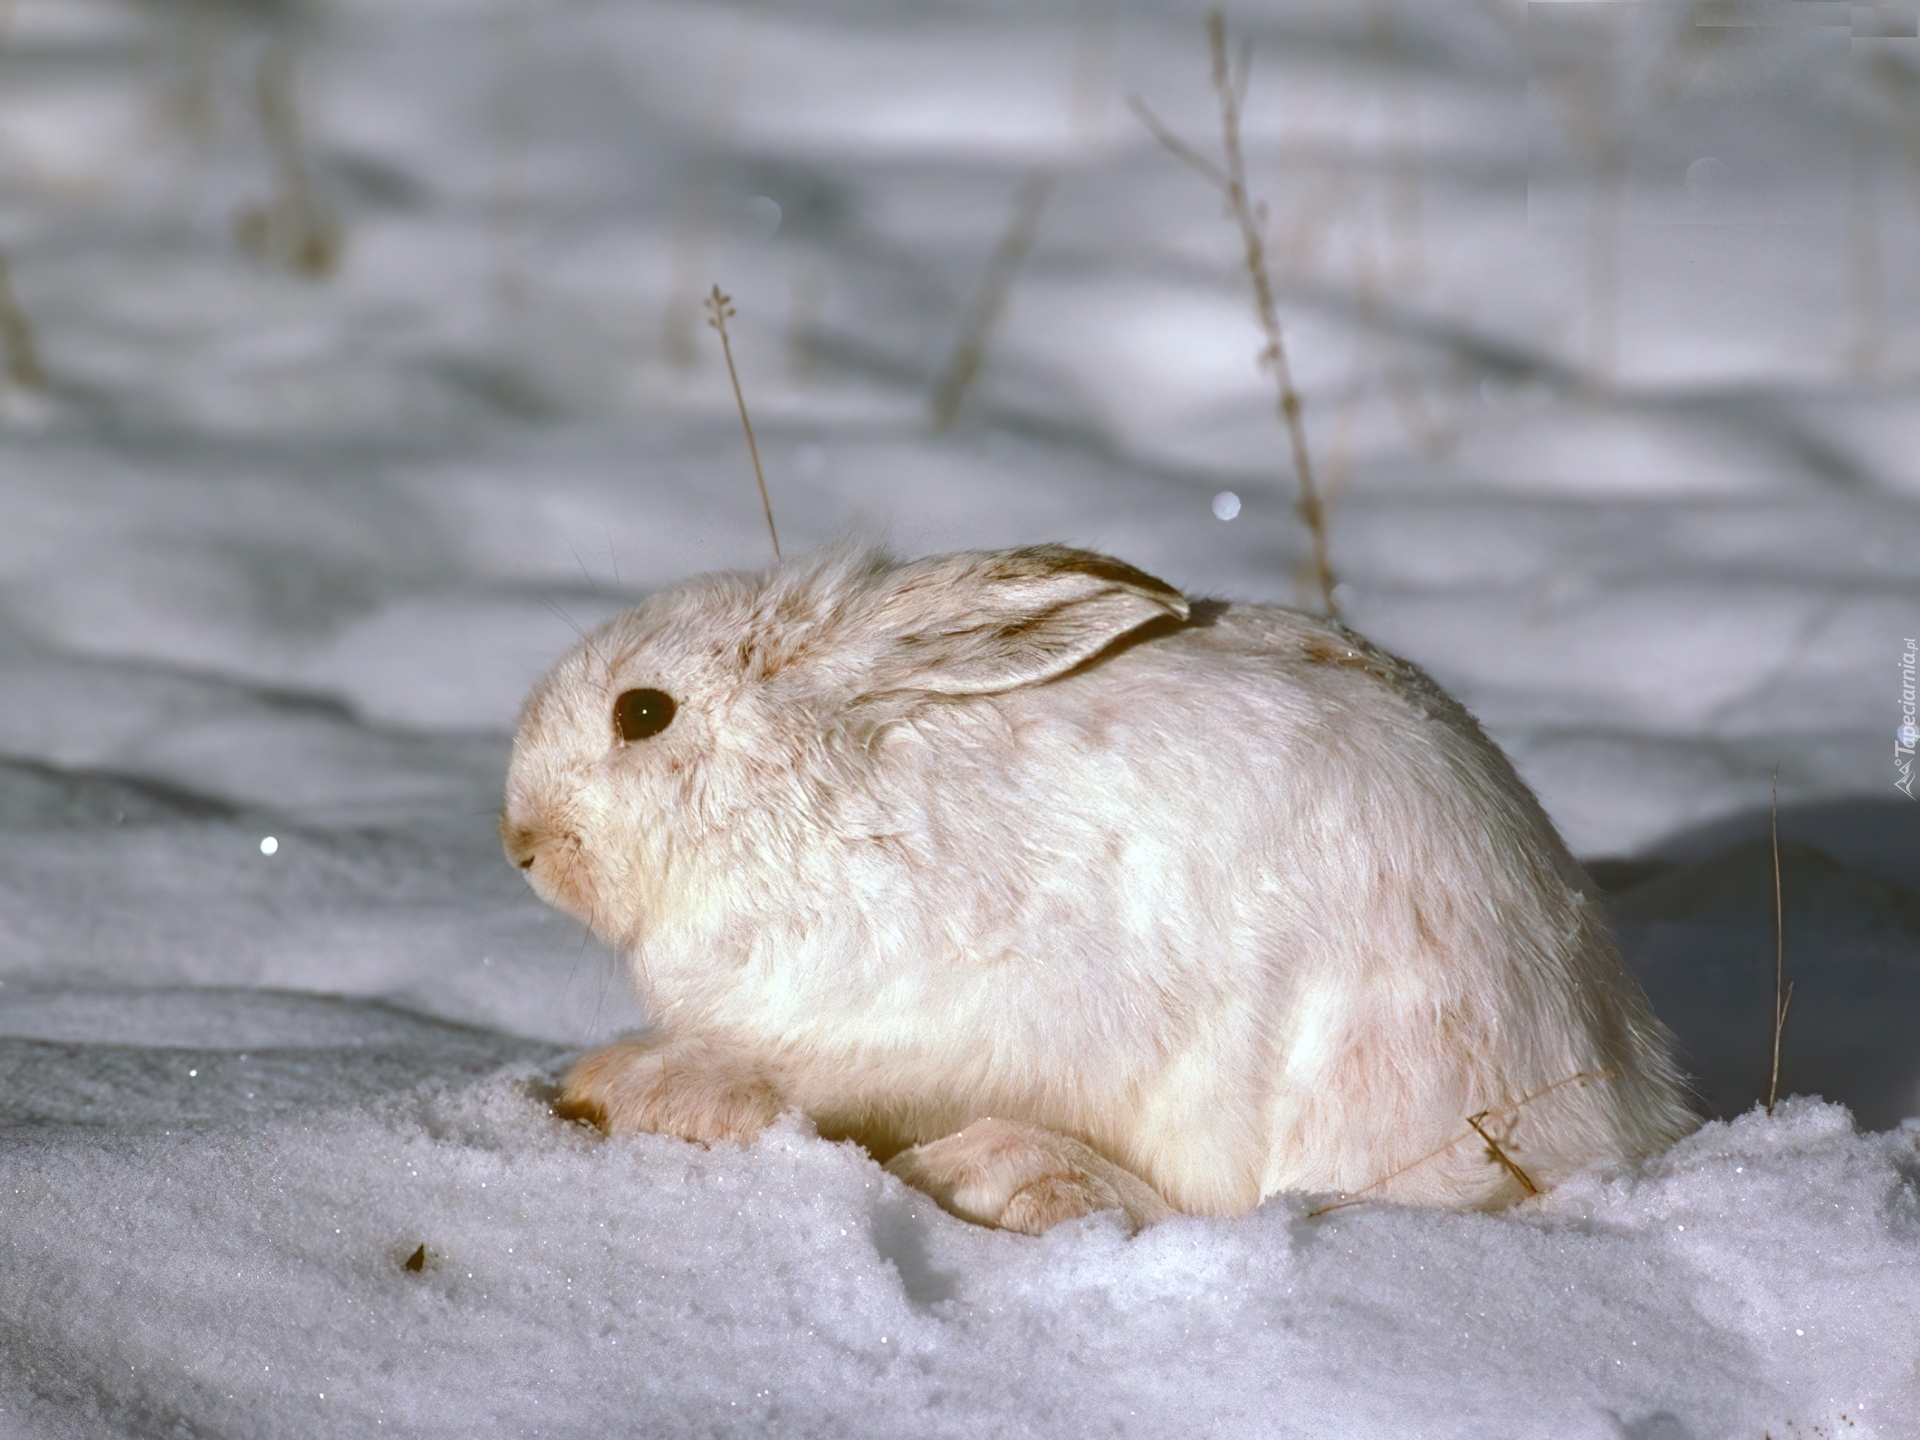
<point x="1281" y="917"/>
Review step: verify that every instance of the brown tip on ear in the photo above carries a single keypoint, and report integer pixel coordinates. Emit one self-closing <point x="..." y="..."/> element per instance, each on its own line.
<point x="981" y="622"/>
<point x="1067" y="560"/>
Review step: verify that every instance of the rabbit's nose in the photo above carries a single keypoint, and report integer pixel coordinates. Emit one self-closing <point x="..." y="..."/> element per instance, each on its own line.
<point x="521" y="842"/>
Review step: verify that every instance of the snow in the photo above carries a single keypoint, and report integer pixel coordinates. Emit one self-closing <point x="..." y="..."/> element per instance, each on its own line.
<point x="279" y="556"/>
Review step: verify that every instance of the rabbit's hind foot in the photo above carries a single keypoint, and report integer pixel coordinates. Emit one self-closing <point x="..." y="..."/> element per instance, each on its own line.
<point x="1026" y="1178"/>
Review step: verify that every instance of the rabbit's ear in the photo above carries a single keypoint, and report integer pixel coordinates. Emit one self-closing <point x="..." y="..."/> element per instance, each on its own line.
<point x="982" y="621"/>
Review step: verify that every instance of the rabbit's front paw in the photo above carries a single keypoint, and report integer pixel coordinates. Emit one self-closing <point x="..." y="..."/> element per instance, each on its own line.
<point x="1024" y="1177"/>
<point x="686" y="1089"/>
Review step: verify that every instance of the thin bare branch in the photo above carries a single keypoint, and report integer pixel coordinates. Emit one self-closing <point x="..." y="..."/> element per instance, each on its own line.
<point x="1780" y="1000"/>
<point x="16" y="336"/>
<point x="1579" y="1077"/>
<point x="720" y="310"/>
<point x="1506" y="1161"/>
<point x="1311" y="511"/>
<point x="1230" y="76"/>
<point x="970" y="349"/>
<point x="1182" y="151"/>
<point x="1242" y="72"/>
<point x="290" y="228"/>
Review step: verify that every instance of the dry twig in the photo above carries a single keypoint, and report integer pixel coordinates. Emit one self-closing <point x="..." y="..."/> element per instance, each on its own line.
<point x="16" y="336"/>
<point x="1023" y="223"/>
<point x="16" y="331"/>
<point x="1579" y="1077"/>
<point x="1230" y="178"/>
<point x="720" y="310"/>
<point x="1780" y="1001"/>
<point x="1506" y="1161"/>
<point x="291" y="228"/>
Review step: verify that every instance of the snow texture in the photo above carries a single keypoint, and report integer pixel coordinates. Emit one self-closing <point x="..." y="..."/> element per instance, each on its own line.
<point x="373" y="366"/>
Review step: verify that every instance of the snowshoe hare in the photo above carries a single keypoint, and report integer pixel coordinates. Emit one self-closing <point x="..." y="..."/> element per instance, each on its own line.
<point x="1067" y="892"/>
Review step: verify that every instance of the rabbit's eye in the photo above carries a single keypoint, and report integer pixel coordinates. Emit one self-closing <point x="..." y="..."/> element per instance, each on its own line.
<point x="640" y="713"/>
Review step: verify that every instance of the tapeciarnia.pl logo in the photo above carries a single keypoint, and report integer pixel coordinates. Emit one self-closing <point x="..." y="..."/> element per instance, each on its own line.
<point x="1909" y="731"/>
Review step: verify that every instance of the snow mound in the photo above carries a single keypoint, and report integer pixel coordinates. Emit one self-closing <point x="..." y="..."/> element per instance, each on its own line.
<point x="363" y="1250"/>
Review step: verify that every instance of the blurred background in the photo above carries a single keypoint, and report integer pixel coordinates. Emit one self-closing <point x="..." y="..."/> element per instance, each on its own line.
<point x="355" y="355"/>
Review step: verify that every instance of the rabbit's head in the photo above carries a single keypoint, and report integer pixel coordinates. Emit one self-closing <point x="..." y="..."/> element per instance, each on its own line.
<point x="690" y="754"/>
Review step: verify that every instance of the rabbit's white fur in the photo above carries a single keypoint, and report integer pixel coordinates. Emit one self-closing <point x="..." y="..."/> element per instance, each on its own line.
<point x="1221" y="893"/>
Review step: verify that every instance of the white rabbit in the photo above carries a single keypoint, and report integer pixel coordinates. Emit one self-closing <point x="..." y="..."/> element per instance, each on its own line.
<point x="1091" y="895"/>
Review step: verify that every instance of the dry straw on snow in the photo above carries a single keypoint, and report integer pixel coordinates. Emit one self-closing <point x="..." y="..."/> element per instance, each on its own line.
<point x="1476" y="1125"/>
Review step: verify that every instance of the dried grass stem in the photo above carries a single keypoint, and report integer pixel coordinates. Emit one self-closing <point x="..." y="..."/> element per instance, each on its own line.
<point x="1506" y="1160"/>
<point x="16" y="336"/>
<point x="1474" y="1127"/>
<point x="1781" y="999"/>
<point x="720" y="310"/>
<point x="1230" y="178"/>
<point x="969" y="350"/>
